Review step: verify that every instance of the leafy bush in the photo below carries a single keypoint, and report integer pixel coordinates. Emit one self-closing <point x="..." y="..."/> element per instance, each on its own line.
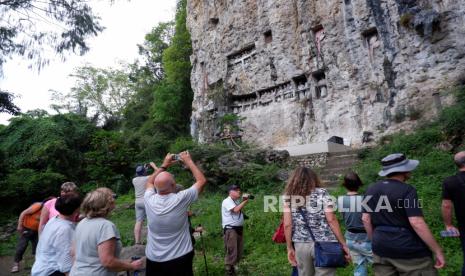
<point x="109" y="161"/>
<point x="29" y="185"/>
<point x="452" y="119"/>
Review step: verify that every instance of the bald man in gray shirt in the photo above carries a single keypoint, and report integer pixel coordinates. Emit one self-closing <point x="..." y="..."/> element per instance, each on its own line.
<point x="169" y="248"/>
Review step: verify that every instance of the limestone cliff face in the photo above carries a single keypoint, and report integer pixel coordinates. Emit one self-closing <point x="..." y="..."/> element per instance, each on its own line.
<point x="301" y="71"/>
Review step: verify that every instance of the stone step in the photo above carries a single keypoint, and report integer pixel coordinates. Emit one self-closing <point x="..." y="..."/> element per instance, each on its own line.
<point x="344" y="153"/>
<point x="348" y="162"/>
<point x="331" y="179"/>
<point x="346" y="156"/>
<point x="336" y="170"/>
<point x="330" y="185"/>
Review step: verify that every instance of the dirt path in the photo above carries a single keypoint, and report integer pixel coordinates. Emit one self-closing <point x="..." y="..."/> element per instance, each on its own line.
<point x="25" y="266"/>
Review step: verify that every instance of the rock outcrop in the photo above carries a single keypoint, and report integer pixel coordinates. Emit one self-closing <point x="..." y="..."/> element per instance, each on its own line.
<point x="301" y="71"/>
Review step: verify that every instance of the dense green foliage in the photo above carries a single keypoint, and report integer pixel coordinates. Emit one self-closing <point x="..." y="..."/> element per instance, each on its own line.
<point x="173" y="98"/>
<point x="118" y="118"/>
<point x="160" y="109"/>
<point x="42" y="151"/>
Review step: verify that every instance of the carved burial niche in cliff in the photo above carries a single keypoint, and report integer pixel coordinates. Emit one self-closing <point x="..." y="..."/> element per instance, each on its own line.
<point x="241" y="103"/>
<point x="371" y="41"/>
<point x="275" y="93"/>
<point x="319" y="35"/>
<point x="241" y="56"/>
<point x="213" y="21"/>
<point x="320" y="83"/>
<point x="268" y="36"/>
<point x="301" y="84"/>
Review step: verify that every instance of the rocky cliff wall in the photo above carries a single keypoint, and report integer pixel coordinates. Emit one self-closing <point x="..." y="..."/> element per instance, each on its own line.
<point x="301" y="71"/>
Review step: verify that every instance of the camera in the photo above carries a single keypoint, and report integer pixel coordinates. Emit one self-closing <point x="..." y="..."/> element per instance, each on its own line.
<point x="247" y="196"/>
<point x="176" y="157"/>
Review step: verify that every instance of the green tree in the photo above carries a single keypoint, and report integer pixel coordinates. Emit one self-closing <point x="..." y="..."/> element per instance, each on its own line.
<point x="108" y="162"/>
<point x="100" y="94"/>
<point x="176" y="59"/>
<point x="31" y="27"/>
<point x="142" y="131"/>
<point x="173" y="99"/>
<point x="39" y="153"/>
<point x="6" y="103"/>
<point x="160" y="110"/>
<point x="42" y="142"/>
<point x="155" y="43"/>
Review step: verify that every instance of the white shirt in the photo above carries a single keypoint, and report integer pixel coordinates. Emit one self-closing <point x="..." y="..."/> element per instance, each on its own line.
<point x="54" y="248"/>
<point x="168" y="227"/>
<point x="228" y="217"/>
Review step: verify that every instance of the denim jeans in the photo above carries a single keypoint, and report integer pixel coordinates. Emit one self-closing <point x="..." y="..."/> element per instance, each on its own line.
<point x="360" y="251"/>
<point x="462" y="240"/>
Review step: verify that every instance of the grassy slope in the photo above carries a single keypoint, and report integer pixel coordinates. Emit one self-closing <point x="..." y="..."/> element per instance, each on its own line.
<point x="262" y="257"/>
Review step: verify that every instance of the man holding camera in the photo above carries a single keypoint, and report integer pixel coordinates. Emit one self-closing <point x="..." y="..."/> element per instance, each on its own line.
<point x="169" y="248"/>
<point x="139" y="188"/>
<point x="233" y="221"/>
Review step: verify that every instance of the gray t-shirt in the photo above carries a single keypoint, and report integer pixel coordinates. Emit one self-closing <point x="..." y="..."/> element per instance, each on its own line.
<point x="168" y="228"/>
<point x="139" y="187"/>
<point x="352" y="211"/>
<point x="89" y="234"/>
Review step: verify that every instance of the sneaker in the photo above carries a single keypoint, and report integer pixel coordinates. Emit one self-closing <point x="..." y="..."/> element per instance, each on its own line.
<point x="230" y="271"/>
<point x="15" y="268"/>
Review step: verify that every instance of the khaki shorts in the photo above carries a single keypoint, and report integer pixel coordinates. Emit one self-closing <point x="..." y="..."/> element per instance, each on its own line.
<point x="140" y="211"/>
<point x="304" y="254"/>
<point x="404" y="267"/>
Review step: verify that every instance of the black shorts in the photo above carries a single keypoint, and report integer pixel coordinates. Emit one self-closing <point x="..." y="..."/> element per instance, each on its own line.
<point x="181" y="266"/>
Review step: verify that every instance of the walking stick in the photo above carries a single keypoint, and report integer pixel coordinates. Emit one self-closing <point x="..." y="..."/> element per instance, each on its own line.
<point x="203" y="251"/>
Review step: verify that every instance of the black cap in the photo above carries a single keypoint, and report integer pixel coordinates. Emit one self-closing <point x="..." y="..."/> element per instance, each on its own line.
<point x="233" y="187"/>
<point x="140" y="170"/>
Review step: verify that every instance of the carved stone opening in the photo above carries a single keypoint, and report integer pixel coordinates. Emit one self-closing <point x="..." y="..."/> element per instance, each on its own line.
<point x="379" y="97"/>
<point x="268" y="35"/>
<point x="214" y="21"/>
<point x="319" y="34"/>
<point x="320" y="84"/>
<point x="367" y="137"/>
<point x="241" y="103"/>
<point x="301" y="86"/>
<point x="371" y="41"/>
<point x="437" y="102"/>
<point x="241" y="56"/>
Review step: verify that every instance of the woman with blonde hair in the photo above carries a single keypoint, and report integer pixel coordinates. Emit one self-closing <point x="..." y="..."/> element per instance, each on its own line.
<point x="49" y="211"/>
<point x="308" y="206"/>
<point x="97" y="241"/>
